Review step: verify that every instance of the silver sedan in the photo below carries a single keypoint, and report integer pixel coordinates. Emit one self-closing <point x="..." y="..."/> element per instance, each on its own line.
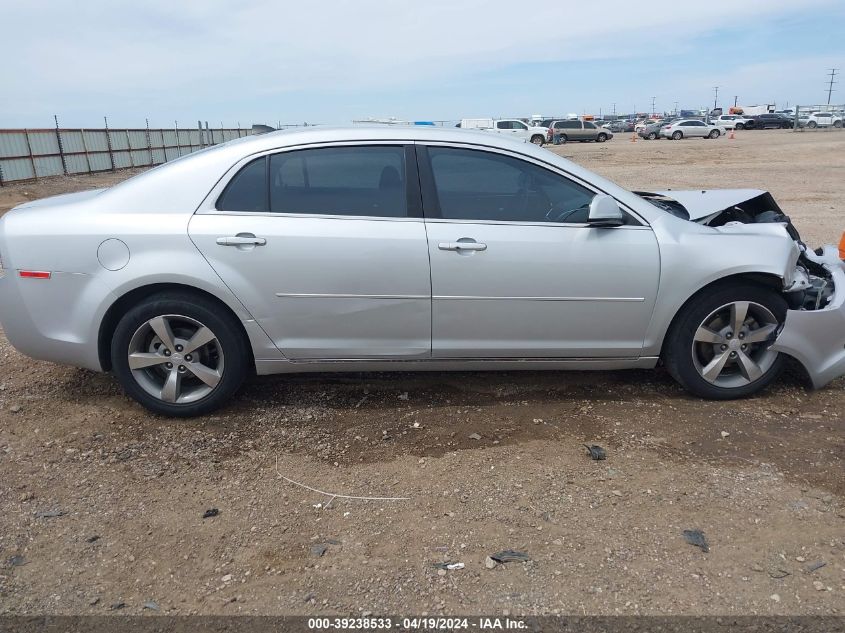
<point x="410" y="249"/>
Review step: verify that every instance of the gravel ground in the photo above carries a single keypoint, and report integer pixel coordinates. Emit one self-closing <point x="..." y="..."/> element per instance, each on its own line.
<point x="102" y="504"/>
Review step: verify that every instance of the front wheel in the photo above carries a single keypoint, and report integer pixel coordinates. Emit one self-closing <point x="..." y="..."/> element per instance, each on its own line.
<point x="677" y="136"/>
<point x="652" y="136"/>
<point x="719" y="344"/>
<point x="837" y="124"/>
<point x="812" y="125"/>
<point x="601" y="137"/>
<point x="179" y="355"/>
<point x="714" y="134"/>
<point x="739" y="126"/>
<point x="538" y="139"/>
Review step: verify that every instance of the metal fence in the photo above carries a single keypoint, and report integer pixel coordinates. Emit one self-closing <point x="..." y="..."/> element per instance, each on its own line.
<point x="38" y="153"/>
<point x="818" y="117"/>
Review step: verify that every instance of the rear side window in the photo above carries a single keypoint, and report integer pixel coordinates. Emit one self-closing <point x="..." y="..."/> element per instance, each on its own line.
<point x="358" y="181"/>
<point x="247" y="191"/>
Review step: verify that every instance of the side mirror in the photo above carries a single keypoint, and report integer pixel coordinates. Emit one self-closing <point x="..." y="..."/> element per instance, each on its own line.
<point x="604" y="211"/>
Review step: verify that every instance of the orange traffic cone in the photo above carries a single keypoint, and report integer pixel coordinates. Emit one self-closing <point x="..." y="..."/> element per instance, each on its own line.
<point x="634" y="137"/>
<point x="731" y="135"/>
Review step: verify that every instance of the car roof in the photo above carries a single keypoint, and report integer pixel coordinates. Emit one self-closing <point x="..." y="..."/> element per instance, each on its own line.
<point x="182" y="184"/>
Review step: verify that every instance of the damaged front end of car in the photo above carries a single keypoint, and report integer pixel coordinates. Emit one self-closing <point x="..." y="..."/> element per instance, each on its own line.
<point x="814" y="329"/>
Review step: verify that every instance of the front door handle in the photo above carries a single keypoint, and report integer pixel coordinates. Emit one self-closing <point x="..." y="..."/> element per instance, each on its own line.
<point x="462" y="246"/>
<point x="241" y="240"/>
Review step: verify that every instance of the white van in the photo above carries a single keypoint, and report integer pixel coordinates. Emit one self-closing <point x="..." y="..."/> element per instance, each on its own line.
<point x="511" y="127"/>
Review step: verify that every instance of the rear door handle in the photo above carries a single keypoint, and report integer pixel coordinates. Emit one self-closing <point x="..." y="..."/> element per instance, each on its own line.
<point x="240" y="240"/>
<point x="462" y="246"/>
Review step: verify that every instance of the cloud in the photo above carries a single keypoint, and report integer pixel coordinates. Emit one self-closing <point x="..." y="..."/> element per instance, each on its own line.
<point x="113" y="55"/>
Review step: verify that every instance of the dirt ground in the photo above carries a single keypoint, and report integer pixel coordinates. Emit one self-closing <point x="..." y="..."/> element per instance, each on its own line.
<point x="102" y="504"/>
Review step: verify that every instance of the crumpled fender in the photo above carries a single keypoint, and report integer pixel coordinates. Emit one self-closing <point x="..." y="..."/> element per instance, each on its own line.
<point x="816" y="338"/>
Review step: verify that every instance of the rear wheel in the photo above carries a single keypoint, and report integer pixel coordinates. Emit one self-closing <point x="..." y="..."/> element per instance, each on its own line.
<point x="677" y="136"/>
<point x="812" y="125"/>
<point x="179" y="355"/>
<point x="739" y="126"/>
<point x="719" y="345"/>
<point x="538" y="139"/>
<point x="564" y="138"/>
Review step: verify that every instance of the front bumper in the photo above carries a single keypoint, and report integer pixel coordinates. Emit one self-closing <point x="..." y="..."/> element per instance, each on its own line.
<point x="816" y="338"/>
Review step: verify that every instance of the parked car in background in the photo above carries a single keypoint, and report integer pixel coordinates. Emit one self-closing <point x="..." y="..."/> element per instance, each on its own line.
<point x="577" y="130"/>
<point x="690" y="128"/>
<point x="732" y="121"/>
<point x="620" y="126"/>
<point x="641" y="124"/>
<point x="824" y="119"/>
<point x="447" y="252"/>
<point x="509" y="127"/>
<point x="652" y="132"/>
<point x="770" y="121"/>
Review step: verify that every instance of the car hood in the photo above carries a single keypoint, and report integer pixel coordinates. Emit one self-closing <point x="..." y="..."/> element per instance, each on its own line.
<point x="701" y="203"/>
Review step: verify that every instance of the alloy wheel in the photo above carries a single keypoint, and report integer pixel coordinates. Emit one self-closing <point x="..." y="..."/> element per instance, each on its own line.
<point x="731" y="346"/>
<point x="176" y="359"/>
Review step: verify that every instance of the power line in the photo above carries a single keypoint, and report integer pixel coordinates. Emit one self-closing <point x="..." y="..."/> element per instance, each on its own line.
<point x="832" y="74"/>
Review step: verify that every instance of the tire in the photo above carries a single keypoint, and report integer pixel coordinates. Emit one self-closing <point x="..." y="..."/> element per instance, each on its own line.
<point x="564" y="139"/>
<point x="739" y="126"/>
<point x="705" y="354"/>
<point x="165" y="378"/>
<point x="812" y="125"/>
<point x="677" y="136"/>
<point x="714" y="134"/>
<point x="538" y="139"/>
<point x="601" y="138"/>
<point x="837" y="124"/>
<point x="652" y="136"/>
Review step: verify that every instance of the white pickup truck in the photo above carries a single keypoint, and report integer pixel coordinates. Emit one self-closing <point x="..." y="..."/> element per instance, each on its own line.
<point x="511" y="127"/>
<point x="732" y="121"/>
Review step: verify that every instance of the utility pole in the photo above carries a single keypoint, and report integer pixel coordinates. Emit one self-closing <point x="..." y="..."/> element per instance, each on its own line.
<point x="652" y="104"/>
<point x="715" y="97"/>
<point x="676" y="108"/>
<point x="832" y="74"/>
<point x="736" y="98"/>
<point x="614" y="111"/>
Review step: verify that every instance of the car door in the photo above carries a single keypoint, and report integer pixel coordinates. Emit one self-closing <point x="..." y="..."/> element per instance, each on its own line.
<point x="591" y="131"/>
<point x="516" y="272"/>
<point x="326" y="248"/>
<point x="520" y="129"/>
<point x="505" y="127"/>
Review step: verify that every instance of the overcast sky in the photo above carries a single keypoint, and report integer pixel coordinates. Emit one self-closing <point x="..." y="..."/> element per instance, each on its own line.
<point x="332" y="61"/>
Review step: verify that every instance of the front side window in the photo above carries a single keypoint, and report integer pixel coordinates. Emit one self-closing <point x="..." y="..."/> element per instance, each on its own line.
<point x="503" y="125"/>
<point x="478" y="185"/>
<point x="589" y="126"/>
<point x="359" y="181"/>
